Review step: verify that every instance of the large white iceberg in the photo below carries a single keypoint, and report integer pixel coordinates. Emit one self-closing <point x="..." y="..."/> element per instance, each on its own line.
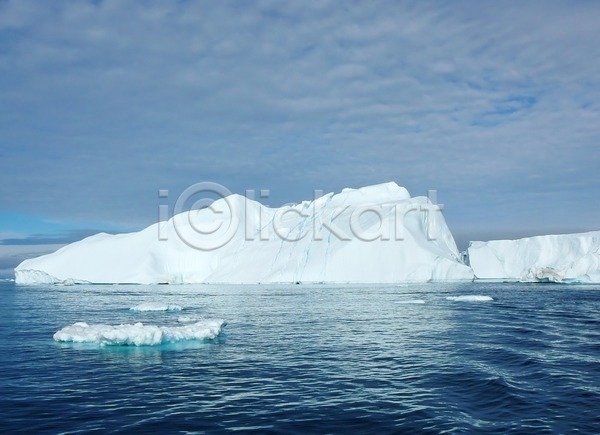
<point x="376" y="234"/>
<point x="554" y="258"/>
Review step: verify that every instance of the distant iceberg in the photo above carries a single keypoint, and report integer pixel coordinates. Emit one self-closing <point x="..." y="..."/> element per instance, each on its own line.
<point x="376" y="234"/>
<point x="552" y="258"/>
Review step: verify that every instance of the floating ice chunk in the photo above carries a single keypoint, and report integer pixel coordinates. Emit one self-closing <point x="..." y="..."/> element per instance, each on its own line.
<point x="156" y="307"/>
<point x="470" y="298"/>
<point x="138" y="334"/>
<point x="411" y="301"/>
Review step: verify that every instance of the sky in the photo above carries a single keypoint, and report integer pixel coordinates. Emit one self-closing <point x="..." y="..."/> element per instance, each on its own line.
<point x="496" y="105"/>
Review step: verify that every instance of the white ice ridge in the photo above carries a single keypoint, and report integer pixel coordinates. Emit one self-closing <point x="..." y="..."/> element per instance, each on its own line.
<point x="554" y="258"/>
<point x="152" y="306"/>
<point x="138" y="334"/>
<point x="470" y="298"/>
<point x="376" y="234"/>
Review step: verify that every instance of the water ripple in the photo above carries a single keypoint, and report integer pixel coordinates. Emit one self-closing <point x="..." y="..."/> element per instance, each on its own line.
<point x="323" y="359"/>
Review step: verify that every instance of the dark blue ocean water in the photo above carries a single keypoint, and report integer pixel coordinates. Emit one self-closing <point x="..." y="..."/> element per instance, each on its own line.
<point x="308" y="359"/>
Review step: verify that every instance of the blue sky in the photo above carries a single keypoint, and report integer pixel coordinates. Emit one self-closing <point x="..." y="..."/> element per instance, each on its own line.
<point x="496" y="105"/>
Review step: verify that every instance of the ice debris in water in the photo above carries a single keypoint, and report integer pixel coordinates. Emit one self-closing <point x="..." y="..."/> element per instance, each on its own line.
<point x="156" y="307"/>
<point x="138" y="334"/>
<point x="470" y="298"/>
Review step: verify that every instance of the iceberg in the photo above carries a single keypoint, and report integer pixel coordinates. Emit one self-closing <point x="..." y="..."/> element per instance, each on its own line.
<point x="375" y="234"/>
<point x="551" y="258"/>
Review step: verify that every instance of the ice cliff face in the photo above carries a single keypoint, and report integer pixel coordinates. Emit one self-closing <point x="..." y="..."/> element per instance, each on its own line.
<point x="555" y="258"/>
<point x="376" y="234"/>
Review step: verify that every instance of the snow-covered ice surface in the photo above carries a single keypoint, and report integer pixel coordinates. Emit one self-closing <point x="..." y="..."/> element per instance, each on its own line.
<point x="138" y="334"/>
<point x="554" y="258"/>
<point x="376" y="234"/>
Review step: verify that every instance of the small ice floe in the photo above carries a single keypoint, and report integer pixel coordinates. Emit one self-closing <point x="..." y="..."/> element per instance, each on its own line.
<point x="156" y="307"/>
<point x="138" y="334"/>
<point x="470" y="298"/>
<point x="411" y="301"/>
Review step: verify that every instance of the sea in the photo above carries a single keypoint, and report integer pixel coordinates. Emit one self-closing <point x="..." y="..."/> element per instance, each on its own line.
<point x="471" y="357"/>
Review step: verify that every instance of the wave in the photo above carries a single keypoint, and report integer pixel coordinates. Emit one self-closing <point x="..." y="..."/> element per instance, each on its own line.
<point x="138" y="334"/>
<point x="156" y="307"/>
<point x="470" y="298"/>
<point x="186" y="319"/>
